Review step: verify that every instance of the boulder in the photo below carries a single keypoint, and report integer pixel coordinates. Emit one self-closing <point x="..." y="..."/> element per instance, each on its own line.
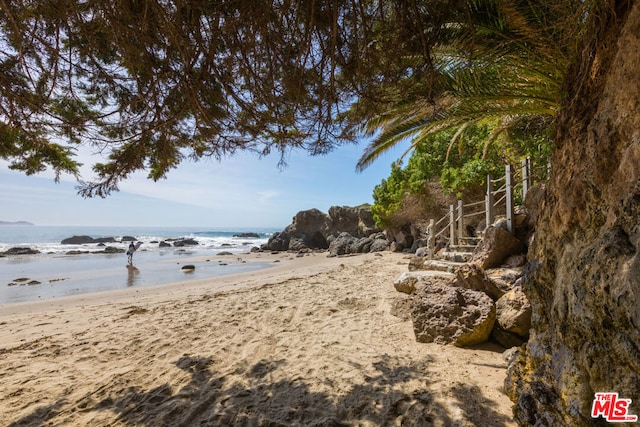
<point x="185" y="242"/>
<point x="452" y="315"/>
<point x="379" y="245"/>
<point x="470" y="276"/>
<point x="416" y="264"/>
<point x="314" y="229"/>
<point x="247" y="235"/>
<point x="104" y="240"/>
<point x="298" y="243"/>
<point x="408" y="282"/>
<point x="505" y="278"/>
<point x="357" y="221"/>
<point x="113" y="250"/>
<point x="21" y="251"/>
<point x="361" y="245"/>
<point x="341" y="244"/>
<point x="164" y="244"/>
<point x="128" y="239"/>
<point x="279" y="241"/>
<point x="401" y="240"/>
<point x="309" y="222"/>
<point x="497" y="244"/>
<point x="78" y="240"/>
<point x="513" y="312"/>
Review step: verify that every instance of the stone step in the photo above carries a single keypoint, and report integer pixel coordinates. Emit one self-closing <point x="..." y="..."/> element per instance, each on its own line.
<point x="436" y="265"/>
<point x="470" y="240"/>
<point x="455" y="256"/>
<point x="463" y="248"/>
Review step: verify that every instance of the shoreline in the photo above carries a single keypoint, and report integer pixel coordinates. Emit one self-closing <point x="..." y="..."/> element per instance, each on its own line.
<point x="225" y="282"/>
<point x="58" y="276"/>
<point x="310" y="340"/>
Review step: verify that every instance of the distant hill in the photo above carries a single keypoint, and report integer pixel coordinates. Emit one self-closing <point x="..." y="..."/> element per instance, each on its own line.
<point x="15" y="223"/>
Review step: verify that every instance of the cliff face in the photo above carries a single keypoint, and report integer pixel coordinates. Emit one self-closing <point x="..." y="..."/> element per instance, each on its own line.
<point x="584" y="282"/>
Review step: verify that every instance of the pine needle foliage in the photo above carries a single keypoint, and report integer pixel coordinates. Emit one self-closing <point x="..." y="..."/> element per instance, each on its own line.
<point x="150" y="83"/>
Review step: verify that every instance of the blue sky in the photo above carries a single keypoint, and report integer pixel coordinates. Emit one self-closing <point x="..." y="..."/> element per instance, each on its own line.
<point x="241" y="191"/>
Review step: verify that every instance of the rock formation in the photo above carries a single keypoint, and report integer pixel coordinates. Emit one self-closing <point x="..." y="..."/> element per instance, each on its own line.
<point x="464" y="304"/>
<point x="20" y="251"/>
<point x="583" y="280"/>
<point x="448" y="314"/>
<point x="496" y="246"/>
<point x="343" y="230"/>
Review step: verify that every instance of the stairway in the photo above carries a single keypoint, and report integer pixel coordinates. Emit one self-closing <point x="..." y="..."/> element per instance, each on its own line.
<point x="461" y="252"/>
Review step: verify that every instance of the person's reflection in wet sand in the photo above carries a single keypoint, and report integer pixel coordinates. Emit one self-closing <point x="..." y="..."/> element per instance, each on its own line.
<point x="132" y="272"/>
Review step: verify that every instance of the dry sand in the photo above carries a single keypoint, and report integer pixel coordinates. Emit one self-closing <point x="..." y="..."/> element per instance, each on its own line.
<point x="307" y="342"/>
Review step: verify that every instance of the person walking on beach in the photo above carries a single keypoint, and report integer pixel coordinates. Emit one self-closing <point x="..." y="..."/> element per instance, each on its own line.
<point x="131" y="250"/>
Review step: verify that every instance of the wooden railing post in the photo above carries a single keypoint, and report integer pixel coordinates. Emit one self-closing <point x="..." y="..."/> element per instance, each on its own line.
<point x="452" y="226"/>
<point x="489" y="202"/>
<point x="431" y="238"/>
<point x="509" y="198"/>
<point x="460" y="222"/>
<point x="526" y="177"/>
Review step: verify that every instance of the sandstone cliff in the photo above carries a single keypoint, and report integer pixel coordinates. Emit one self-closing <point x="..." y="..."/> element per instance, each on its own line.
<point x="584" y="281"/>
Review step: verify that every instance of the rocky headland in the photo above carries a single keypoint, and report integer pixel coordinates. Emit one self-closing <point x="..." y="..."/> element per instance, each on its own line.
<point x="341" y="231"/>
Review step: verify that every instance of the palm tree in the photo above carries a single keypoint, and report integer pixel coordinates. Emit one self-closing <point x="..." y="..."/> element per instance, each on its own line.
<point x="503" y="64"/>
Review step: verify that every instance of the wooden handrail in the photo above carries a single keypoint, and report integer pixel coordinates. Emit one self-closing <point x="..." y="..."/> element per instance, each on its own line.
<point x="456" y="219"/>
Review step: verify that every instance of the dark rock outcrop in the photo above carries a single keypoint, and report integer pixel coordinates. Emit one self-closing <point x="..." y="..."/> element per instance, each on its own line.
<point x="84" y="240"/>
<point x="343" y="230"/>
<point x="21" y="251"/>
<point x="113" y="250"/>
<point x="104" y="240"/>
<point x="379" y="245"/>
<point x="78" y="240"/>
<point x="185" y="242"/>
<point x="341" y="244"/>
<point x="247" y="235"/>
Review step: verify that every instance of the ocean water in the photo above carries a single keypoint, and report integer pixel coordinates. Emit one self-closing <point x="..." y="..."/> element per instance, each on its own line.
<point x="47" y="239"/>
<point x="55" y="273"/>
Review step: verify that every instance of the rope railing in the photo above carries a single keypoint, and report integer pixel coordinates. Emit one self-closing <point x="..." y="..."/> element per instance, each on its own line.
<point x="474" y="214"/>
<point x="524" y="177"/>
<point x="501" y="189"/>
<point x="500" y="200"/>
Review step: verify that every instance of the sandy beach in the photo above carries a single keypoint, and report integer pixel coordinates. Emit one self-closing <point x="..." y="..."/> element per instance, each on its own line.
<point x="309" y="341"/>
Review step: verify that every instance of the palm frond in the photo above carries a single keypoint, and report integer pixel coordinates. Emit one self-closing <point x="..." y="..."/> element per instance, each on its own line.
<point x="506" y="61"/>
